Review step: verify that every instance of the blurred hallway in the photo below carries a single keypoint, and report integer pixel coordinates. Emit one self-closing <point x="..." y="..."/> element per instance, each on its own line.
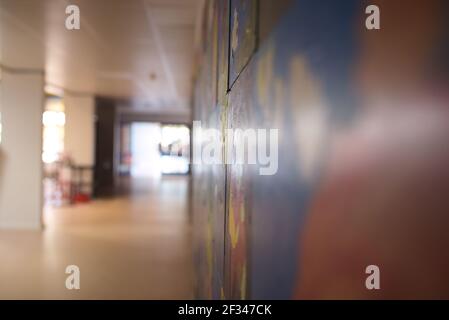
<point x="120" y="246"/>
<point x="224" y="149"/>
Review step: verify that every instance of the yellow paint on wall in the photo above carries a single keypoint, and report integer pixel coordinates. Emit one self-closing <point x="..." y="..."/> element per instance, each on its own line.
<point x="243" y="283"/>
<point x="233" y="229"/>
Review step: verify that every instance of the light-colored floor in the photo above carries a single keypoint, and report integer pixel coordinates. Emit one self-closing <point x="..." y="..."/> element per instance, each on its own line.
<point x="135" y="247"/>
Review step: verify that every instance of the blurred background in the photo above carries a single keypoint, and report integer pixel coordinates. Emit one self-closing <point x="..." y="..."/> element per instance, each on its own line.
<point x="95" y="148"/>
<point x="96" y="139"/>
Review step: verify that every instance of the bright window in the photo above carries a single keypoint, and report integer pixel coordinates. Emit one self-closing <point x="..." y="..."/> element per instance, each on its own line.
<point x="53" y="121"/>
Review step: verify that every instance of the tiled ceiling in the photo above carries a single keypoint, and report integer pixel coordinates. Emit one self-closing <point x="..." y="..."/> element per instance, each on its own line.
<point x="138" y="49"/>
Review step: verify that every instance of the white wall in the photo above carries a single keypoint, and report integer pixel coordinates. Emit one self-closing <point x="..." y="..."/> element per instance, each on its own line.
<point x="79" y="140"/>
<point x="21" y="105"/>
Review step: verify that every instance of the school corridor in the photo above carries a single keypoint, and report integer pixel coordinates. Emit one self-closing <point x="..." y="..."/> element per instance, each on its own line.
<point x="224" y="149"/>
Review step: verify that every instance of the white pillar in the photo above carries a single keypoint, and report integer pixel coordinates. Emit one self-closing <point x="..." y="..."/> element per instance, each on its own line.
<point x="79" y="131"/>
<point x="21" y="107"/>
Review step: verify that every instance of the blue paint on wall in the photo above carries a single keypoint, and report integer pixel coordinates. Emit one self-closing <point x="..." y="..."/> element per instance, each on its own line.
<point x="323" y="33"/>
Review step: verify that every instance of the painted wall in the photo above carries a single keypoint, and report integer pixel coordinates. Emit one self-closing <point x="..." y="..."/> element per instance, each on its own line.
<point x="79" y="136"/>
<point x="363" y="119"/>
<point x="21" y="100"/>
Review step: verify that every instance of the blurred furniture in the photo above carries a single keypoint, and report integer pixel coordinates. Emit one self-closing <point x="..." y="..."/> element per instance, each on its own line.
<point x="81" y="183"/>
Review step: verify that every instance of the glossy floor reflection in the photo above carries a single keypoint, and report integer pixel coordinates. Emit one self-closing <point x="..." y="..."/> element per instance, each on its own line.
<point x="131" y="247"/>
